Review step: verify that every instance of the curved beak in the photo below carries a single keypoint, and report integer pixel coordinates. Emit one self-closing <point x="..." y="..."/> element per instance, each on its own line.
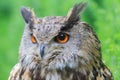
<point x="42" y="47"/>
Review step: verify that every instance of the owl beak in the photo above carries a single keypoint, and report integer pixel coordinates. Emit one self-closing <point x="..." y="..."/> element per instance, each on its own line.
<point x="42" y="47"/>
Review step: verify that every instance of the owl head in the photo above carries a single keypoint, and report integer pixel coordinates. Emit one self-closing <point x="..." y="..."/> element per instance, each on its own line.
<point x="57" y="42"/>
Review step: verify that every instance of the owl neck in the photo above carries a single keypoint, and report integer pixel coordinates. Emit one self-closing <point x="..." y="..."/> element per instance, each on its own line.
<point x="37" y="71"/>
<point x="81" y="73"/>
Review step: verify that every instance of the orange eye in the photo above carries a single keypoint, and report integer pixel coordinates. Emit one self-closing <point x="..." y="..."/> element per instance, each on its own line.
<point x="62" y="38"/>
<point x="33" y="39"/>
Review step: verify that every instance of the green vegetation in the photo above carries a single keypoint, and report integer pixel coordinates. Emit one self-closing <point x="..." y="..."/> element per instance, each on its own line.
<point x="103" y="15"/>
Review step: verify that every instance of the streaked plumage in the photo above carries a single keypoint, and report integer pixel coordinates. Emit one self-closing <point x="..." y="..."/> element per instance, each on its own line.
<point x="59" y="48"/>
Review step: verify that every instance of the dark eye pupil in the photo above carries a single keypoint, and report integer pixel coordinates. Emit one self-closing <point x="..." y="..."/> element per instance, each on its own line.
<point x="61" y="36"/>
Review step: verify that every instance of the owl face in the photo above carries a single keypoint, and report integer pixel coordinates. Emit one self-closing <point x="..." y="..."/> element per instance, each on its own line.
<point x="57" y="42"/>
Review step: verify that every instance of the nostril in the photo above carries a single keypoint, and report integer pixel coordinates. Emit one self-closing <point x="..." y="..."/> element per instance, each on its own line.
<point x="42" y="47"/>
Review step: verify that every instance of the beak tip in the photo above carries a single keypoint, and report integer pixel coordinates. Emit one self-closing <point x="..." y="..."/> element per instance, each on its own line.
<point x="42" y="47"/>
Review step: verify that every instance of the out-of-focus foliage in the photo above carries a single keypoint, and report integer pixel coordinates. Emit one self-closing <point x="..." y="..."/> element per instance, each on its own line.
<point x="103" y="15"/>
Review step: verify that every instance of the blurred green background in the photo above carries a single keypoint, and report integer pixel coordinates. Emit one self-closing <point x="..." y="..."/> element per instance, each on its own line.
<point x="103" y="15"/>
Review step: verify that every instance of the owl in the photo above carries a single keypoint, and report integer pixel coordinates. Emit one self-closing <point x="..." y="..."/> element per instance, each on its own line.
<point x="59" y="48"/>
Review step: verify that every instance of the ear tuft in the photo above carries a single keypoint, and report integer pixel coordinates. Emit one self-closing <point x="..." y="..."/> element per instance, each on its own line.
<point x="73" y="16"/>
<point x="27" y="14"/>
<point x="74" y="13"/>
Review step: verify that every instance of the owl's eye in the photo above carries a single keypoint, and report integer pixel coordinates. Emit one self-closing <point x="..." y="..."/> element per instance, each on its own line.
<point x="62" y="38"/>
<point x="33" y="39"/>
